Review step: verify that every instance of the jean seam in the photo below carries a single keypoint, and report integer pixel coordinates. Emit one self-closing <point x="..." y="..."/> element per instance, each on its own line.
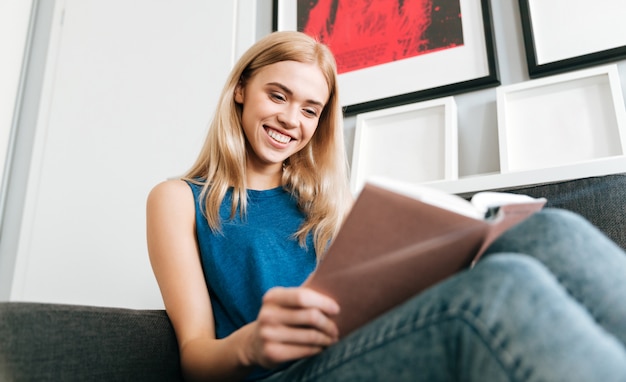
<point x="506" y="360"/>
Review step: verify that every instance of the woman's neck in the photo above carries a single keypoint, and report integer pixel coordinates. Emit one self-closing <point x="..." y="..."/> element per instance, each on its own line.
<point x="264" y="180"/>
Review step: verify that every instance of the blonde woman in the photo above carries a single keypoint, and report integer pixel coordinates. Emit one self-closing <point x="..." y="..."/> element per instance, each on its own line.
<point x="232" y="241"/>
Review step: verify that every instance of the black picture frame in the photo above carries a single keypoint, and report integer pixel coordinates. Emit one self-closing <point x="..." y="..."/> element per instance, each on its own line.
<point x="533" y="11"/>
<point x="446" y="75"/>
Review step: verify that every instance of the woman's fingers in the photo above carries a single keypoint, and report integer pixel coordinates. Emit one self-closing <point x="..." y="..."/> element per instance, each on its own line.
<point x="306" y="337"/>
<point x="301" y="298"/>
<point x="298" y="326"/>
<point x="275" y="353"/>
<point x="293" y="323"/>
<point x="276" y="342"/>
<point x="299" y="307"/>
<point x="285" y="327"/>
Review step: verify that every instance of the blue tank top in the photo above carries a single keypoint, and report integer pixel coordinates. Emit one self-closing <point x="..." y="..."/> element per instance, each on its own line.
<point x="251" y="255"/>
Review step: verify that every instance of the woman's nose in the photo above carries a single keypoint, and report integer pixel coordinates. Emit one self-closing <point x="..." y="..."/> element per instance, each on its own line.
<point x="289" y="117"/>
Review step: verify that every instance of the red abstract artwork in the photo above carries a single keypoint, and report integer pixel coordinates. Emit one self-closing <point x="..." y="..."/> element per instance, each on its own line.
<point x="365" y="33"/>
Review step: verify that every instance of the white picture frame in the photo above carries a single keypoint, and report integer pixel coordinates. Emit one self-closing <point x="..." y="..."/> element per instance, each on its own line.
<point x="416" y="143"/>
<point x="561" y="120"/>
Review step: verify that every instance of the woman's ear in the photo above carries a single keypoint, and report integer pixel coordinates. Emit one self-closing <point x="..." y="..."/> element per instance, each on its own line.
<point x="239" y="93"/>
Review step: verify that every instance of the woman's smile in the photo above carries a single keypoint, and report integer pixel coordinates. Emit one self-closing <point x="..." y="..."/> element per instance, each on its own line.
<point x="281" y="106"/>
<point x="277" y="136"/>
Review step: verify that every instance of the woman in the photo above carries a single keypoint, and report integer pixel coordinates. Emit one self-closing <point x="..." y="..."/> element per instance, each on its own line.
<point x="231" y="242"/>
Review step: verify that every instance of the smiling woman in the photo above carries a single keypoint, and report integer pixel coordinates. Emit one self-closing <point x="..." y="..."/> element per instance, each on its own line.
<point x="270" y="188"/>
<point x="232" y="242"/>
<point x="281" y="104"/>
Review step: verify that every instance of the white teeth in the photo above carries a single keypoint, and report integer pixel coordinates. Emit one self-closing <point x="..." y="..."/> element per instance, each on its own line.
<point x="278" y="136"/>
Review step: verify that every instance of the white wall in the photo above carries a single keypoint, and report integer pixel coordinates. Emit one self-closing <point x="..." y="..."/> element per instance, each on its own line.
<point x="127" y="91"/>
<point x="117" y="98"/>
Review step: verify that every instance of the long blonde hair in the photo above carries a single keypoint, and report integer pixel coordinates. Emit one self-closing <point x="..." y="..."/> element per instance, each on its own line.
<point x="316" y="175"/>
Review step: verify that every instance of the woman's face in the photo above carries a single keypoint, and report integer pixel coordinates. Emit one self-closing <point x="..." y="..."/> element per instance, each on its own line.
<point x="282" y="104"/>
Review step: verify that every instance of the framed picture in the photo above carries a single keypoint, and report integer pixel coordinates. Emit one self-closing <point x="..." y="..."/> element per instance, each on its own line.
<point x="564" y="35"/>
<point x="428" y="150"/>
<point x="569" y="118"/>
<point x="396" y="52"/>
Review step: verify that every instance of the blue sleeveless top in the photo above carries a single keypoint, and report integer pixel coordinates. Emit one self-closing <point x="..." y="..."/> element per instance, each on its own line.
<point x="251" y="255"/>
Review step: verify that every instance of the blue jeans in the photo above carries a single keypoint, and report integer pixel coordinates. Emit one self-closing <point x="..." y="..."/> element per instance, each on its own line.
<point x="546" y="303"/>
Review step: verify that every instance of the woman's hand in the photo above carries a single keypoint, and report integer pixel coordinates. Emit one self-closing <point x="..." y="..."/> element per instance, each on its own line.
<point x="293" y="323"/>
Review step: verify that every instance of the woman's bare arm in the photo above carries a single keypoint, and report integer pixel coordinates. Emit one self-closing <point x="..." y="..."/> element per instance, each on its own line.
<point x="293" y="322"/>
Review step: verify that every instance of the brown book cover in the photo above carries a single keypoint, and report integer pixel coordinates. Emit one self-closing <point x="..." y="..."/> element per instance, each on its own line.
<point x="392" y="246"/>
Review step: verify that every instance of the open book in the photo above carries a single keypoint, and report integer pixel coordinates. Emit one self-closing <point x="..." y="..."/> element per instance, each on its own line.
<point x="400" y="239"/>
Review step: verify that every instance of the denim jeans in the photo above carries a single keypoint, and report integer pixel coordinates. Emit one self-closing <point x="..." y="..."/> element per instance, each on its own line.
<point x="546" y="303"/>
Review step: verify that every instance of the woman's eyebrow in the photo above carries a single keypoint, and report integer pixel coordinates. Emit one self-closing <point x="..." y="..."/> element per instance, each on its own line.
<point x="289" y="92"/>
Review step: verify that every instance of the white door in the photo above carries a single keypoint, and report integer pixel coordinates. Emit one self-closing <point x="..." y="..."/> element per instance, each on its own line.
<point x="129" y="89"/>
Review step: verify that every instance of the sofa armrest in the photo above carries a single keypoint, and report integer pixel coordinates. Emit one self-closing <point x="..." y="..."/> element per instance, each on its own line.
<point x="51" y="342"/>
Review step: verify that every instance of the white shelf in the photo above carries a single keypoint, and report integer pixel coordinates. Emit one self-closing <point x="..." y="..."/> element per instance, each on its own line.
<point x="598" y="167"/>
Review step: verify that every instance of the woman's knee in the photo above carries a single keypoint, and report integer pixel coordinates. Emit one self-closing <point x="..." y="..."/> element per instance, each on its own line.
<point x="510" y="269"/>
<point x="506" y="281"/>
<point x="556" y="218"/>
<point x="550" y="230"/>
<point x="510" y="265"/>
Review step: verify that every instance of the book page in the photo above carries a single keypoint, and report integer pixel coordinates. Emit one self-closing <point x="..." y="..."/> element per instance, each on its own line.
<point x="431" y="196"/>
<point x="477" y="208"/>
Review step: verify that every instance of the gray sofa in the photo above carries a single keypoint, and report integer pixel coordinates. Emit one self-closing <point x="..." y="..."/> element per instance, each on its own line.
<point x="48" y="342"/>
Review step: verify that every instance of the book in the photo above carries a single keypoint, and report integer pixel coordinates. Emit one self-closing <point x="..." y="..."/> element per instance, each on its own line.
<point x="400" y="239"/>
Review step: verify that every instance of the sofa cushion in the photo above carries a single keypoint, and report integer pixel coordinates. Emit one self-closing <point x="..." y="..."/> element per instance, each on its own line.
<point x="601" y="200"/>
<point x="50" y="342"/>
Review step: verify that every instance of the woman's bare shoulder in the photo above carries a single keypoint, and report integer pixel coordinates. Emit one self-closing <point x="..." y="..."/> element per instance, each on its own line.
<point x="171" y="186"/>
<point x="171" y="190"/>
<point x="172" y="196"/>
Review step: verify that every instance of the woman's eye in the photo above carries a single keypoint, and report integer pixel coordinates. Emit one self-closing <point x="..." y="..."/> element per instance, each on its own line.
<point x="311" y="112"/>
<point x="277" y="97"/>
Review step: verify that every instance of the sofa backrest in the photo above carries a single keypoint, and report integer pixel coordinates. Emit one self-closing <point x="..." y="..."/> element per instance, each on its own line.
<point x="601" y="200"/>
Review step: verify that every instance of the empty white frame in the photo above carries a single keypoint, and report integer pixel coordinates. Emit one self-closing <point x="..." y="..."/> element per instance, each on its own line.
<point x="560" y="120"/>
<point x="415" y="143"/>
